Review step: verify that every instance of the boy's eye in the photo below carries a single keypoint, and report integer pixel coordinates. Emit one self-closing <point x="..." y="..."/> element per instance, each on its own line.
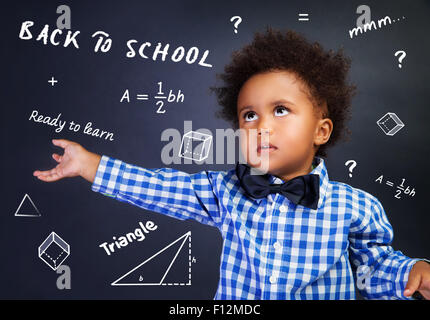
<point x="249" y="116"/>
<point x="281" y="111"/>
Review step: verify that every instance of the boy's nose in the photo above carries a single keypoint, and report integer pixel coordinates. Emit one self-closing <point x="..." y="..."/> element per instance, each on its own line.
<point x="264" y="131"/>
<point x="264" y="126"/>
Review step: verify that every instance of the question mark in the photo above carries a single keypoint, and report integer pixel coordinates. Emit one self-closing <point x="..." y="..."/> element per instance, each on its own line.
<point x="402" y="56"/>
<point x="236" y="24"/>
<point x="353" y="165"/>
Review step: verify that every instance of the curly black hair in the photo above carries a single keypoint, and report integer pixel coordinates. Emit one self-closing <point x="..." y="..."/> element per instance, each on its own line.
<point x="324" y="73"/>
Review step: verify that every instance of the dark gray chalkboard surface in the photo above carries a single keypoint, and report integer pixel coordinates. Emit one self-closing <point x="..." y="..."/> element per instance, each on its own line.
<point x="90" y="86"/>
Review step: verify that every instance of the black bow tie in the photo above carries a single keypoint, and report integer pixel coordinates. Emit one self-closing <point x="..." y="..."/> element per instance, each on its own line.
<point x="302" y="190"/>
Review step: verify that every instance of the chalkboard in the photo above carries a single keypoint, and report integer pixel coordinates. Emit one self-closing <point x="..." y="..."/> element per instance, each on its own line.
<point x="91" y="79"/>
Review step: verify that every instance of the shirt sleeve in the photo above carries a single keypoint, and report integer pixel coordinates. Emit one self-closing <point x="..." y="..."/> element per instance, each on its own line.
<point x="381" y="272"/>
<point x="168" y="191"/>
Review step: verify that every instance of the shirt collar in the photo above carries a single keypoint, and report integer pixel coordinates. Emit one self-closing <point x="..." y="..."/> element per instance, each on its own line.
<point x="320" y="170"/>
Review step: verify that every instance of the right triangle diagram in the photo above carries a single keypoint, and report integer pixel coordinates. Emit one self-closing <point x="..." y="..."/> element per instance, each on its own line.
<point x="169" y="266"/>
<point x="27" y="208"/>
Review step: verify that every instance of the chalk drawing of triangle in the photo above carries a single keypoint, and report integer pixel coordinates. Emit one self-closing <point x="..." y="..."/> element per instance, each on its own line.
<point x="27" y="208"/>
<point x="157" y="270"/>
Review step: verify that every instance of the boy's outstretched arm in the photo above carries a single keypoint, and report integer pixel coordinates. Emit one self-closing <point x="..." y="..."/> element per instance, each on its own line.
<point x="387" y="274"/>
<point x="168" y="191"/>
<point x="164" y="190"/>
<point x="76" y="161"/>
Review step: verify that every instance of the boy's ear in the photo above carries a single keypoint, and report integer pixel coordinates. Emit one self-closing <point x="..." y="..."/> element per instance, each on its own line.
<point x="323" y="131"/>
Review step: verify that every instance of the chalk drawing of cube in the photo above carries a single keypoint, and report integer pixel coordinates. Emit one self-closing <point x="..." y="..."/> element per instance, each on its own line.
<point x="195" y="146"/>
<point x="390" y="123"/>
<point x="54" y="251"/>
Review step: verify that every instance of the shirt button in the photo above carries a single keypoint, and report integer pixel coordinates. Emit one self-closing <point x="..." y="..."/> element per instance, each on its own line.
<point x="277" y="245"/>
<point x="283" y="208"/>
<point x="289" y="287"/>
<point x="272" y="279"/>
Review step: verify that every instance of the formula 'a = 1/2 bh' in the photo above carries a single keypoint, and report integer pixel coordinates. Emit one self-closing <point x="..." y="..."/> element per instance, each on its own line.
<point x="401" y="189"/>
<point x="160" y="96"/>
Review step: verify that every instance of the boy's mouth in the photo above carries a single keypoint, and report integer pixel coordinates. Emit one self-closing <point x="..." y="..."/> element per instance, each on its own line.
<point x="266" y="147"/>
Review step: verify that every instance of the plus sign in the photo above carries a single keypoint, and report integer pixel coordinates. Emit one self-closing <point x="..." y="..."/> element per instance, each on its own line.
<point x="52" y="81"/>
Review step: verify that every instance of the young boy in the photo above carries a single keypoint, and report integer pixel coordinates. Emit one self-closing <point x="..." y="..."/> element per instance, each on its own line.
<point x="291" y="233"/>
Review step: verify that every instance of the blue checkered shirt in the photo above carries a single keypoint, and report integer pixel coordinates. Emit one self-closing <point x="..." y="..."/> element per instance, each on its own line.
<point x="274" y="249"/>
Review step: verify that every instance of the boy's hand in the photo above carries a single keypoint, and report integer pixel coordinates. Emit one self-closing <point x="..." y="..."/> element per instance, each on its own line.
<point x="419" y="280"/>
<point x="76" y="161"/>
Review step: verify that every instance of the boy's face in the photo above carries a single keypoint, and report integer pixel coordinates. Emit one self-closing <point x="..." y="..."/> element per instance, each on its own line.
<point x="274" y="108"/>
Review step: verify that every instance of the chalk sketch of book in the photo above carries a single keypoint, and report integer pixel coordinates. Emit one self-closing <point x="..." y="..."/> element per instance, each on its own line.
<point x="27" y="208"/>
<point x="171" y="266"/>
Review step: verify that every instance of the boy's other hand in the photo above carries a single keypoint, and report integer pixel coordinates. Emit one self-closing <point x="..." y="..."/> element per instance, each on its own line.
<point x="76" y="161"/>
<point x="419" y="280"/>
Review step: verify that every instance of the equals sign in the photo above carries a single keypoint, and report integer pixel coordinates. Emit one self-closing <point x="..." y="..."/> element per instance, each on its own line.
<point x="389" y="183"/>
<point x="142" y="97"/>
<point x="303" y="17"/>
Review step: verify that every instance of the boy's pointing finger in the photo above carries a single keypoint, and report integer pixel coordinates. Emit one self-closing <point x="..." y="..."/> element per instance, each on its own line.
<point x="47" y="176"/>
